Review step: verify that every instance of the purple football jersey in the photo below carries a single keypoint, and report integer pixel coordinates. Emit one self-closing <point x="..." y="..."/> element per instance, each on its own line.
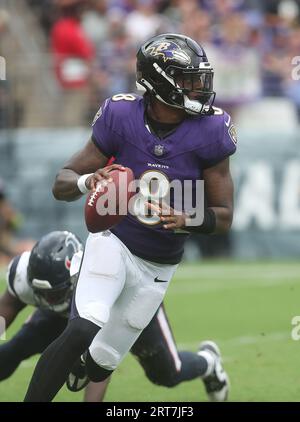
<point x="197" y="143"/>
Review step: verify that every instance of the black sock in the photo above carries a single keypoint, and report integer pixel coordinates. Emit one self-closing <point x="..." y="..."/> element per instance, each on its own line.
<point x="160" y="369"/>
<point x="58" y="359"/>
<point x="192" y="366"/>
<point x="95" y="372"/>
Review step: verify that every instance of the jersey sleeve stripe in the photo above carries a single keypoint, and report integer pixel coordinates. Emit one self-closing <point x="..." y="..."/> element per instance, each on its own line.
<point x="12" y="274"/>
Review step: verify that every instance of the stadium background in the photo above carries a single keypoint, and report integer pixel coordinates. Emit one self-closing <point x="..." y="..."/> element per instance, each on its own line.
<point x="242" y="289"/>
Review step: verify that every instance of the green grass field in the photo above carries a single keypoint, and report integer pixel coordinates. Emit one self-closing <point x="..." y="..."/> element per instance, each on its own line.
<point x="246" y="307"/>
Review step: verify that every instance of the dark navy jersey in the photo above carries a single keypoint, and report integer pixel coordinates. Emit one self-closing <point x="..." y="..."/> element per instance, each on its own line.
<point x="18" y="286"/>
<point x="16" y="279"/>
<point x="197" y="143"/>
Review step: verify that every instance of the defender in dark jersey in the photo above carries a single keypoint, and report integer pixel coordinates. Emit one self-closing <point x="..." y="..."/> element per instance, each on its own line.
<point x="44" y="278"/>
<point x="125" y="272"/>
<point x="40" y="278"/>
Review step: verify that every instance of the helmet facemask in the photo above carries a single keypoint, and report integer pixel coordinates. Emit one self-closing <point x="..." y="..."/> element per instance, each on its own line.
<point x="48" y="271"/>
<point x="188" y="89"/>
<point x="57" y="299"/>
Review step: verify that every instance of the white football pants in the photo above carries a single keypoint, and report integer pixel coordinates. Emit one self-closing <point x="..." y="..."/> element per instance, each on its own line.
<point x="120" y="293"/>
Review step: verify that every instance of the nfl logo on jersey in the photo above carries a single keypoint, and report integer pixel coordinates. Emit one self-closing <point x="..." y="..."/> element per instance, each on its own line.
<point x="158" y="150"/>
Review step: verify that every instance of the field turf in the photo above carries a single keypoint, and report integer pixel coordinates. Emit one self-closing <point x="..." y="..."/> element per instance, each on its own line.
<point x="246" y="307"/>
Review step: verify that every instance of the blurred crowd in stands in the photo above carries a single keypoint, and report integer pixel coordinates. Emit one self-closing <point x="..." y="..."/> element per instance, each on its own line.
<point x="93" y="43"/>
<point x="89" y="55"/>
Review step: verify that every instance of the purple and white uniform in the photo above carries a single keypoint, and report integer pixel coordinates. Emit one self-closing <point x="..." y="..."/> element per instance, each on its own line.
<point x="126" y="271"/>
<point x="119" y="130"/>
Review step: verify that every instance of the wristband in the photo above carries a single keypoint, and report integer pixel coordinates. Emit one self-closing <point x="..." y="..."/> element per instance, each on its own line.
<point x="209" y="223"/>
<point x="81" y="183"/>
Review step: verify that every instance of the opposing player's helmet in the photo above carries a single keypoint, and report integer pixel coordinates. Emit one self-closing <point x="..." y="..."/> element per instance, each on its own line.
<point x="174" y="68"/>
<point x="49" y="269"/>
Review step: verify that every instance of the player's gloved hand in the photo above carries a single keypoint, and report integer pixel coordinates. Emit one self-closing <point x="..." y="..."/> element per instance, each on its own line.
<point x="170" y="218"/>
<point x="101" y="174"/>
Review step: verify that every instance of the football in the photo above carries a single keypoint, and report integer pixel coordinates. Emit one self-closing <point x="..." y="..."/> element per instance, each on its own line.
<point x="108" y="204"/>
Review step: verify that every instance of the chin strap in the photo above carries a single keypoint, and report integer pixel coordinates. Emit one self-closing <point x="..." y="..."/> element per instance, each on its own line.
<point x="196" y="108"/>
<point x="192" y="107"/>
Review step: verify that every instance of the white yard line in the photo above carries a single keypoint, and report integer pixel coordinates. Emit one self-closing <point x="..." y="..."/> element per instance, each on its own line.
<point x="235" y="341"/>
<point x="243" y="340"/>
<point x="221" y="277"/>
<point x="226" y="281"/>
<point x="238" y="271"/>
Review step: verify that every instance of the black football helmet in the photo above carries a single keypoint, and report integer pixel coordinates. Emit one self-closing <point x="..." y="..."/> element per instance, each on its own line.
<point x="48" y="270"/>
<point x="174" y="68"/>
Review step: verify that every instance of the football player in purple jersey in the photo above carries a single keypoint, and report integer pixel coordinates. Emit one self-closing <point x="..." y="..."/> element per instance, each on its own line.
<point x="125" y="272"/>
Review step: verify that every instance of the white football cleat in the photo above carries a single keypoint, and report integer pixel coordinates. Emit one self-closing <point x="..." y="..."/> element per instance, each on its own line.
<point x="216" y="382"/>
